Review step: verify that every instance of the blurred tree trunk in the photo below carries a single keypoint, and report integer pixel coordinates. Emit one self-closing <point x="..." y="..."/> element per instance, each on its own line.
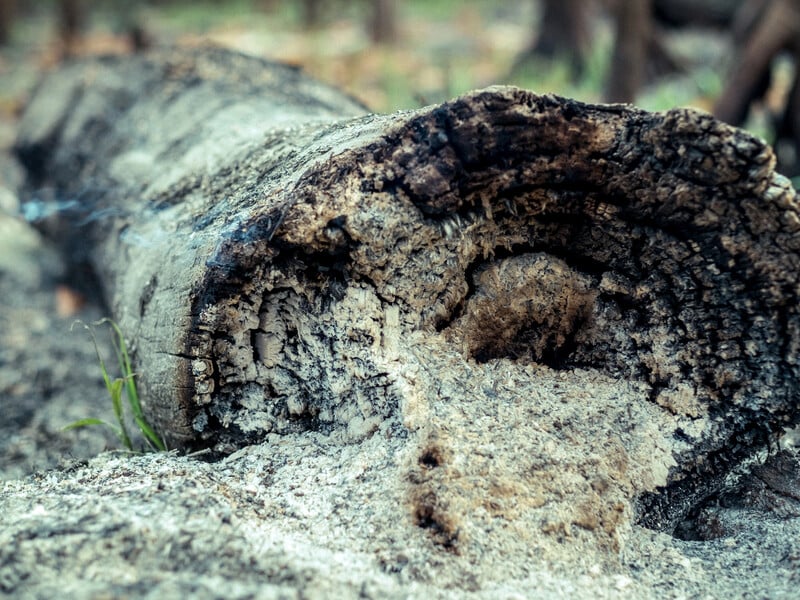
<point x="788" y="131"/>
<point x="131" y="22"/>
<point x="765" y="29"/>
<point x="710" y="13"/>
<point x="768" y="28"/>
<point x="7" y="9"/>
<point x="312" y="13"/>
<point x="268" y="5"/>
<point x="634" y="29"/>
<point x="639" y="54"/>
<point x="71" y="21"/>
<point x="383" y="21"/>
<point x="564" y="30"/>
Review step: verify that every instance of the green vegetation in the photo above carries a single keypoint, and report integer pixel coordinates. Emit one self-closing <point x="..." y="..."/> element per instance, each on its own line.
<point x="127" y="384"/>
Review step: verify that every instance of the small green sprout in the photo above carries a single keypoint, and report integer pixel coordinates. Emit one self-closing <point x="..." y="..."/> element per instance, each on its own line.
<point x="115" y="388"/>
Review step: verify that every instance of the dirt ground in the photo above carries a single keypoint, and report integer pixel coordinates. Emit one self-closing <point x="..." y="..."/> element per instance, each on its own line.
<point x="49" y="375"/>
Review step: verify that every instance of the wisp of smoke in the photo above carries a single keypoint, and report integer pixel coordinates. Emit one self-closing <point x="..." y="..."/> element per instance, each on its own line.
<point x="35" y="210"/>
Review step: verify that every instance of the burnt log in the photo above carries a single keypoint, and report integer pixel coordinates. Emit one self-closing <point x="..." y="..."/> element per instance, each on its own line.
<point x="614" y="289"/>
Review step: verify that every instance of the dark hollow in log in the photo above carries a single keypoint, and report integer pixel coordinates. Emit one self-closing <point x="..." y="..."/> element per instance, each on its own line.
<point x="283" y="261"/>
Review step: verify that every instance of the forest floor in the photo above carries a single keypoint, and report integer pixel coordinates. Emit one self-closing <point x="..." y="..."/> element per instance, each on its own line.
<point x="442" y="49"/>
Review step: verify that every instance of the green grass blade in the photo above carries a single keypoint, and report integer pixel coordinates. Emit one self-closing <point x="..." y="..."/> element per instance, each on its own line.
<point x="124" y="361"/>
<point x="133" y="395"/>
<point x="150" y="434"/>
<point x="115" y="390"/>
<point x="85" y="423"/>
<point x="116" y="387"/>
<point x="103" y="370"/>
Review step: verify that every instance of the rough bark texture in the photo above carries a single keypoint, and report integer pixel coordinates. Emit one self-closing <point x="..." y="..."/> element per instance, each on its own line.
<point x="616" y="288"/>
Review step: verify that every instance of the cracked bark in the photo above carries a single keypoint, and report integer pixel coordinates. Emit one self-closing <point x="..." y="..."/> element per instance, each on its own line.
<point x="283" y="261"/>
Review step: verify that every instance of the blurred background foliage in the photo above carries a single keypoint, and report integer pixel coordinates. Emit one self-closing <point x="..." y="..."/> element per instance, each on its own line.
<point x="401" y="54"/>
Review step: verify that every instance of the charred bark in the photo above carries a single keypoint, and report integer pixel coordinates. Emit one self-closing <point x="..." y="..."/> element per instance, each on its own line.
<point x="283" y="261"/>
